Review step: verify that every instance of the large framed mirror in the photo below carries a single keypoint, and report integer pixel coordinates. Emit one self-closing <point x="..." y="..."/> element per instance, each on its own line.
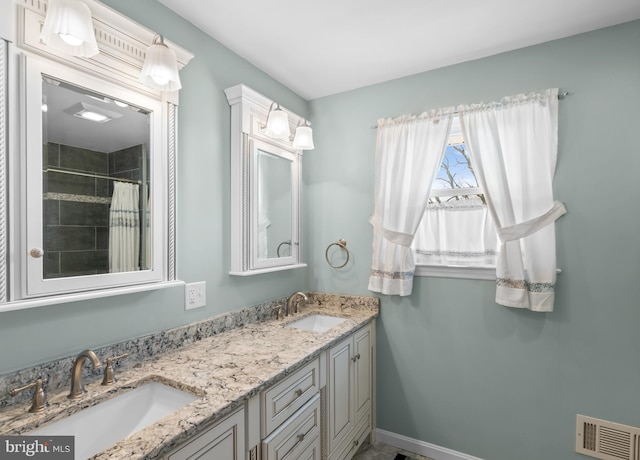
<point x="87" y="164"/>
<point x="265" y="189"/>
<point x="94" y="158"/>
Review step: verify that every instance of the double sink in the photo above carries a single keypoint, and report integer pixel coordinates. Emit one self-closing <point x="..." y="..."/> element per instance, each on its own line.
<point x="100" y="426"/>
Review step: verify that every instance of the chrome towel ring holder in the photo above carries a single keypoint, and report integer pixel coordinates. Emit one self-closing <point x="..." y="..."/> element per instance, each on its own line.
<point x="284" y="243"/>
<point x="342" y="244"/>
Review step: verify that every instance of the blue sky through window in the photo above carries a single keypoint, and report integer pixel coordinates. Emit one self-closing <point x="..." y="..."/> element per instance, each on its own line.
<point x="454" y="171"/>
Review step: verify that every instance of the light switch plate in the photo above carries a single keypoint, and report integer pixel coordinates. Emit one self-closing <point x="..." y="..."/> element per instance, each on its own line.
<point x="195" y="295"/>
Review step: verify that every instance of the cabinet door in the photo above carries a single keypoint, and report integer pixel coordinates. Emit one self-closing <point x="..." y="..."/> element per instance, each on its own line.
<point x="363" y="365"/>
<point x="225" y="441"/>
<point x="340" y="410"/>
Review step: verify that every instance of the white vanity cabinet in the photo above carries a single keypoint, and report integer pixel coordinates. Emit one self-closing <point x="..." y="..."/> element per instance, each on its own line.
<point x="349" y="393"/>
<point x="224" y="441"/>
<point x="321" y="411"/>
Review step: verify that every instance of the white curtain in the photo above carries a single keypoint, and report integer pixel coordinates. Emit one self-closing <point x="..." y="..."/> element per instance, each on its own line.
<point x="457" y="232"/>
<point x="124" y="228"/>
<point x="513" y="146"/>
<point x="408" y="155"/>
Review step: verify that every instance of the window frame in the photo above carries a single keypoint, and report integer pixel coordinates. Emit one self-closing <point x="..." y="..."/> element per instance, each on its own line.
<point x="456" y="271"/>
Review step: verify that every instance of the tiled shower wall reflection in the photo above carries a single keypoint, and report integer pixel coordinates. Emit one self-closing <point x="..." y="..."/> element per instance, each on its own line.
<point x="76" y="208"/>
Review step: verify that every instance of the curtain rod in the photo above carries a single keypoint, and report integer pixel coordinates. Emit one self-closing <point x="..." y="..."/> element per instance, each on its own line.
<point x="95" y="176"/>
<point x="561" y="95"/>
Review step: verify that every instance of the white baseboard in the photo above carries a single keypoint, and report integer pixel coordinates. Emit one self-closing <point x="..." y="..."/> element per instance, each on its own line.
<point x="420" y="447"/>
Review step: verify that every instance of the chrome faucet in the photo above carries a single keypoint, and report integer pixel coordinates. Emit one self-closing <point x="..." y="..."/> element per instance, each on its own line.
<point x="291" y="304"/>
<point x="77" y="387"/>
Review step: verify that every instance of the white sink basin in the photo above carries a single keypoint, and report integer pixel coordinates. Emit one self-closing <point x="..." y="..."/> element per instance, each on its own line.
<point x="104" y="424"/>
<point x="316" y="323"/>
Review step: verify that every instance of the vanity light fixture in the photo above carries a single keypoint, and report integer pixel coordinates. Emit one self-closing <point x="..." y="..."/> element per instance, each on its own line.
<point x="160" y="69"/>
<point x="277" y="126"/>
<point x="303" y="139"/>
<point x="68" y="27"/>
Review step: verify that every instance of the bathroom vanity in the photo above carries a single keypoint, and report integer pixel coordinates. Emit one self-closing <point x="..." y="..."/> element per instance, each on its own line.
<point x="322" y="410"/>
<point x="264" y="389"/>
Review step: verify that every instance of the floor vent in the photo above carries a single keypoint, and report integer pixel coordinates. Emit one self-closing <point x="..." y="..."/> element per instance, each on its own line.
<point x="607" y="440"/>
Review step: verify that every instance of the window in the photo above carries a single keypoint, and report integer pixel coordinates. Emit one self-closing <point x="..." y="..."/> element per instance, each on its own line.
<point x="456" y="237"/>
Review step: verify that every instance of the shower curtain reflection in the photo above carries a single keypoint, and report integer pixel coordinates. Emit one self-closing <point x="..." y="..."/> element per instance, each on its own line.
<point x="124" y="228"/>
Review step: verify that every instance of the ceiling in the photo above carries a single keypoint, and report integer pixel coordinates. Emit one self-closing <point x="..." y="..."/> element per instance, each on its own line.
<point x="319" y="48"/>
<point x="129" y="127"/>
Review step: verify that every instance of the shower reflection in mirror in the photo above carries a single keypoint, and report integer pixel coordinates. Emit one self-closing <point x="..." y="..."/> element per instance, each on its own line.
<point x="96" y="182"/>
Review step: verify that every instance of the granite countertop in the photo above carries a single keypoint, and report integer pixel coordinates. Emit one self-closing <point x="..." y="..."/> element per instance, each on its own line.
<point x="224" y="370"/>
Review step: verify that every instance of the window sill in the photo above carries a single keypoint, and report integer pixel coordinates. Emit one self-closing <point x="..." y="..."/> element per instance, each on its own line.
<point x="456" y="271"/>
<point x="66" y="298"/>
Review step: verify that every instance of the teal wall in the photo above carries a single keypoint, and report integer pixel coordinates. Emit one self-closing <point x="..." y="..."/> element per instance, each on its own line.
<point x="453" y="368"/>
<point x="41" y="334"/>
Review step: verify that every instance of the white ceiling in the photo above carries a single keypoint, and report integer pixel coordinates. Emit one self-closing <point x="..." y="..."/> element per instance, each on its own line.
<point x="61" y="127"/>
<point x="318" y="48"/>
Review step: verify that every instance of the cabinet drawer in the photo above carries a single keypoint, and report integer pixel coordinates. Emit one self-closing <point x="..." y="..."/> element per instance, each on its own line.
<point x="350" y="446"/>
<point x="312" y="452"/>
<point x="283" y="399"/>
<point x="296" y="435"/>
<point x="224" y="441"/>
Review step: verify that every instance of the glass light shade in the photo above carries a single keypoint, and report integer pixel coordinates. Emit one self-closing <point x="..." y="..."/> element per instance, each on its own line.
<point x="278" y="125"/>
<point x="160" y="69"/>
<point x="68" y="27"/>
<point x="304" y="138"/>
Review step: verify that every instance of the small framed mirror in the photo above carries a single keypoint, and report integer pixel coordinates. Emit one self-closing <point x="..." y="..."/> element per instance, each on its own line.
<point x="265" y="189"/>
<point x="274" y="201"/>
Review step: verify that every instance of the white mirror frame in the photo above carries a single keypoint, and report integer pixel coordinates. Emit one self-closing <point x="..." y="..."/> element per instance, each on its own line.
<point x="33" y="284"/>
<point x="249" y="111"/>
<point x="255" y="261"/>
<point x="4" y="51"/>
<point x="122" y="44"/>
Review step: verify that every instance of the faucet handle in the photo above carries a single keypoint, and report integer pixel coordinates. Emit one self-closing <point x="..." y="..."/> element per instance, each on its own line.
<point x="109" y="375"/>
<point x="38" y="402"/>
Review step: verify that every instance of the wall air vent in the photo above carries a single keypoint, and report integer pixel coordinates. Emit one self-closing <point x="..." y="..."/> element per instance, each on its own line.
<point x="607" y="440"/>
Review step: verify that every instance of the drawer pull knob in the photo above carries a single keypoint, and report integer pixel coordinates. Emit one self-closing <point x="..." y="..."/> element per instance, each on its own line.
<point x="300" y="437"/>
<point x="355" y="358"/>
<point x="298" y="393"/>
<point x="356" y="442"/>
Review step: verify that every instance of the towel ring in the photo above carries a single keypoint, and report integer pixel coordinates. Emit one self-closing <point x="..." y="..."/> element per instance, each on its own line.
<point x="342" y="244"/>
<point x="288" y="243"/>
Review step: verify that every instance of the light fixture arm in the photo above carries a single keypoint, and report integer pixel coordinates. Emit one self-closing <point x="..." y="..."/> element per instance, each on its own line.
<point x="159" y="40"/>
<point x="264" y="126"/>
